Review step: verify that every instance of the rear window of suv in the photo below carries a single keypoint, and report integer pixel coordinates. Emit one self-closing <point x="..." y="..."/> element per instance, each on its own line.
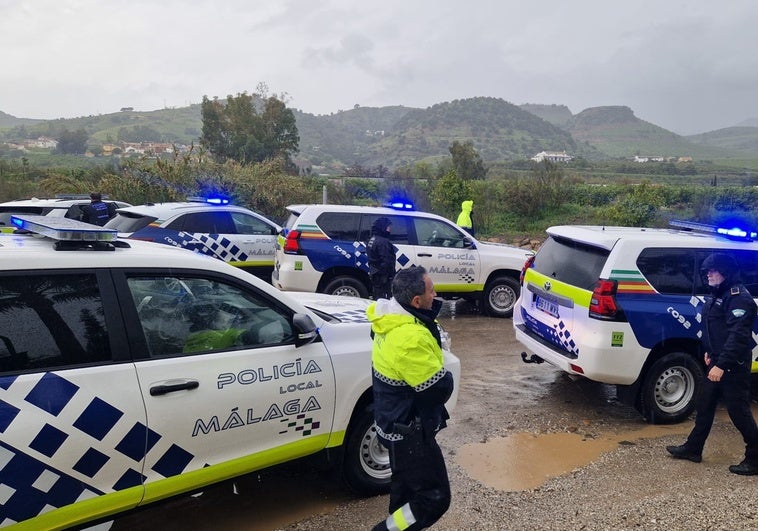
<point x="571" y="262"/>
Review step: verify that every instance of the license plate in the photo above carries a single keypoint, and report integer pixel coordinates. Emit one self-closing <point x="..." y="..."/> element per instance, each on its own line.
<point x="547" y="306"/>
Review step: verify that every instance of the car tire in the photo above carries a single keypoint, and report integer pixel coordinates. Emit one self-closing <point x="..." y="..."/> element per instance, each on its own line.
<point x="670" y="388"/>
<point x="366" y="462"/>
<point x="347" y="286"/>
<point x="500" y="296"/>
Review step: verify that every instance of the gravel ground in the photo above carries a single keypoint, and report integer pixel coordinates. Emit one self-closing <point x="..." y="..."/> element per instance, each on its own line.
<point x="634" y="486"/>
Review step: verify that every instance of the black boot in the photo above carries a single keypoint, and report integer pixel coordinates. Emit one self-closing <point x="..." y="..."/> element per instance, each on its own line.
<point x="745" y="468"/>
<point x="682" y="452"/>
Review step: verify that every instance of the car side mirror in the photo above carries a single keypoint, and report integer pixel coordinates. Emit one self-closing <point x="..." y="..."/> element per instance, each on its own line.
<point x="468" y="243"/>
<point x="306" y="330"/>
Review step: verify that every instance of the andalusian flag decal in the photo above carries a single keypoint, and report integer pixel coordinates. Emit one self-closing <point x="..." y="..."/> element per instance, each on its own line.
<point x="631" y="281"/>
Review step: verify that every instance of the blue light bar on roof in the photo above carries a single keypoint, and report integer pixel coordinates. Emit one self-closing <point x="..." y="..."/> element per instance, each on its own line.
<point x="401" y="205"/>
<point x="63" y="229"/>
<point x="692" y="225"/>
<point x="211" y="200"/>
<point x="734" y="233"/>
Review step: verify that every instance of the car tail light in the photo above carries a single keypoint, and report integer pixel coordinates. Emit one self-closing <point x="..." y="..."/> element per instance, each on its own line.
<point x="529" y="263"/>
<point x="292" y="242"/>
<point x="603" y="303"/>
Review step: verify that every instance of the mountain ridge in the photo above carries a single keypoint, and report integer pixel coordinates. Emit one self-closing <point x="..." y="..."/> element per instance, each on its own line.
<point x="394" y="136"/>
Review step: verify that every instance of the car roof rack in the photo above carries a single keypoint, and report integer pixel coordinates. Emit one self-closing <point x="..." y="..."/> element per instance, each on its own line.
<point x="734" y="232"/>
<point x="70" y="234"/>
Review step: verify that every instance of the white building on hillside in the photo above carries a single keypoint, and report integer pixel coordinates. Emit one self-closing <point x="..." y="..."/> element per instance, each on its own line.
<point x="552" y="156"/>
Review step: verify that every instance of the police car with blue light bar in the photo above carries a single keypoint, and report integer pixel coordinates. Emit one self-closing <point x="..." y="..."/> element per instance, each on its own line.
<point x="131" y="372"/>
<point x="210" y="226"/>
<point x="322" y="248"/>
<point x="67" y="206"/>
<point x="622" y="305"/>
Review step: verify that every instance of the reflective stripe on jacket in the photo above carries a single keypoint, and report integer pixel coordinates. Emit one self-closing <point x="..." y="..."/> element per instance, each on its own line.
<point x="410" y="380"/>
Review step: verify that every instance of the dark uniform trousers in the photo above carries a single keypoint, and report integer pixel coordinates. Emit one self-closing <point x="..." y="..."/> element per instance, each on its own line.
<point x="419" y="479"/>
<point x="734" y="389"/>
<point x="381" y="286"/>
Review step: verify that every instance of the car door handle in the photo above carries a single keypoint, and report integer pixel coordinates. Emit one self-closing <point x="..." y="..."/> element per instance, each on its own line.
<point x="162" y="389"/>
<point x="425" y="254"/>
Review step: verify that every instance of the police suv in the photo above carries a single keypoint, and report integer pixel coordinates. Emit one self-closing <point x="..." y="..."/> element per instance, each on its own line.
<point x="131" y="372"/>
<point x="61" y="206"/>
<point x="622" y="305"/>
<point x="322" y="248"/>
<point x="209" y="226"/>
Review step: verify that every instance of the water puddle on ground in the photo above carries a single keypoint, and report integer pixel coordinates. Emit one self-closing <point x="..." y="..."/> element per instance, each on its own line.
<point x="524" y="461"/>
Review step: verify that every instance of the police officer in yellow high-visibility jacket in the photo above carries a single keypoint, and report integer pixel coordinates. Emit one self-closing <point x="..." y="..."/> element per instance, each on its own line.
<point x="411" y="386"/>
<point x="465" y="218"/>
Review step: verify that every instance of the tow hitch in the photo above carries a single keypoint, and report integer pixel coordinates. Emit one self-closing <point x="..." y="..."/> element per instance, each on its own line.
<point x="534" y="358"/>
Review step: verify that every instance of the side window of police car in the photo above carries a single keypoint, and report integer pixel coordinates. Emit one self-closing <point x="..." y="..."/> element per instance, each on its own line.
<point x="213" y="222"/>
<point x="436" y="233"/>
<point x="670" y="270"/>
<point x="340" y="225"/>
<point x="189" y="315"/>
<point x="398" y="230"/>
<point x="247" y="224"/>
<point x="50" y="321"/>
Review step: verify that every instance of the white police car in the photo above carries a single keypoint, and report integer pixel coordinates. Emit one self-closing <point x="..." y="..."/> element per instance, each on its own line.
<point x="61" y="206"/>
<point x="209" y="226"/>
<point x="621" y="305"/>
<point x="131" y="372"/>
<point x="322" y="249"/>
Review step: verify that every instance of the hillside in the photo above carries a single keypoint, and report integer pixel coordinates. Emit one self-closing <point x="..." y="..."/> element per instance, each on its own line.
<point x="6" y="120"/>
<point x="558" y="115"/>
<point x="499" y="130"/>
<point x="617" y="132"/>
<point x="342" y="137"/>
<point x="743" y="140"/>
<point x="395" y="135"/>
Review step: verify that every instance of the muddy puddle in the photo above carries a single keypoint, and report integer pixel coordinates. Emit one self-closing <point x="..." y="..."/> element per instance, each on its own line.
<point x="524" y="461"/>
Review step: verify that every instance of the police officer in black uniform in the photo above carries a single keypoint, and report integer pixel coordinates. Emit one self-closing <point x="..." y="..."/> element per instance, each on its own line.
<point x="98" y="212"/>
<point x="728" y="317"/>
<point x="381" y="259"/>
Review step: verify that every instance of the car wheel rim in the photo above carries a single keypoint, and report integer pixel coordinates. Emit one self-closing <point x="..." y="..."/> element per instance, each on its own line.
<point x="375" y="459"/>
<point x="502" y="298"/>
<point x="674" y="389"/>
<point x="346" y="291"/>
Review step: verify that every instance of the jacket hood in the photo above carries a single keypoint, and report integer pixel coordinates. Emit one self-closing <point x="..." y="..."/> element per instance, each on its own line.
<point x="467" y="206"/>
<point x="724" y="264"/>
<point x="385" y="315"/>
<point x="380" y="225"/>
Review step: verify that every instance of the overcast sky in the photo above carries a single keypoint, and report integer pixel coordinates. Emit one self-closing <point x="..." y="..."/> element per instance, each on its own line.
<point x="689" y="66"/>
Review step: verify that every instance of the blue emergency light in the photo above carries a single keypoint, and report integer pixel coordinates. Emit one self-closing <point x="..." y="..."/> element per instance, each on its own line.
<point x="401" y="205"/>
<point x="211" y="200"/>
<point x="734" y="232"/>
<point x="63" y="229"/>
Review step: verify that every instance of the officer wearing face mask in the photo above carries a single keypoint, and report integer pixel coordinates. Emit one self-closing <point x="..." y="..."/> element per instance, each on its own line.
<point x="728" y="316"/>
<point x="411" y="386"/>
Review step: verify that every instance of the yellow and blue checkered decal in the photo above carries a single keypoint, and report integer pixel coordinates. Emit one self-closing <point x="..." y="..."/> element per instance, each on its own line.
<point x="40" y="472"/>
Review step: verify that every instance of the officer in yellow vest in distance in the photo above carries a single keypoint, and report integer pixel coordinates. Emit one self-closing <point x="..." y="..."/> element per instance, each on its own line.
<point x="464" y="218"/>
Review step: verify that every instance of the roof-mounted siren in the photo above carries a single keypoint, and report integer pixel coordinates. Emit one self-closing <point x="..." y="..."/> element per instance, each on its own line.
<point x="211" y="200"/>
<point x="733" y="231"/>
<point x="400" y="204"/>
<point x="63" y="229"/>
